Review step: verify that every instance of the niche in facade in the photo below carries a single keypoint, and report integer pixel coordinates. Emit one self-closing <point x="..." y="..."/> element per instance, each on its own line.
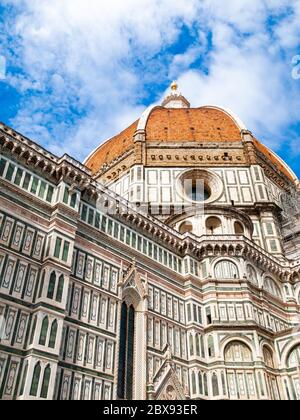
<point x="186" y="227"/>
<point x="213" y="226"/>
<point x="238" y="228"/>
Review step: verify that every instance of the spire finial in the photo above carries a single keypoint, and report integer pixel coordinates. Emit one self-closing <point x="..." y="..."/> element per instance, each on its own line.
<point x="174" y="99"/>
<point x="174" y="86"/>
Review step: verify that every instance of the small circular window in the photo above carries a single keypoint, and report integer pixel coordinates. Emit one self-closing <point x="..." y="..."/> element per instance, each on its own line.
<point x="200" y="186"/>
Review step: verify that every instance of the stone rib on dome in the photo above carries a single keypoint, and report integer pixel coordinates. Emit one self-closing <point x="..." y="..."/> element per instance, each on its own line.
<point x="279" y="163"/>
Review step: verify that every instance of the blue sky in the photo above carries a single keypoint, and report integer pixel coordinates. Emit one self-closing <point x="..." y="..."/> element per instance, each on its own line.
<point x="79" y="71"/>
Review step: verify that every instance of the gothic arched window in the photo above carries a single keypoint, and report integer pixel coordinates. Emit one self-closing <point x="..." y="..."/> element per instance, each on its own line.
<point x="130" y="353"/>
<point x="44" y="331"/>
<point x="271" y="287"/>
<point x="226" y="270"/>
<point x="191" y="340"/>
<point x="294" y="358"/>
<point x="205" y="382"/>
<point x="211" y="346"/>
<point x="240" y="372"/>
<point x="293" y="364"/>
<point x="237" y="351"/>
<point x="60" y="289"/>
<point x="215" y="385"/>
<point x="122" y="352"/>
<point x="51" y="286"/>
<point x="200" y="383"/>
<point x="35" y="380"/>
<point x="46" y="379"/>
<point x="53" y="334"/>
<point x="268" y="357"/>
<point x="126" y="353"/>
<point x="194" y="386"/>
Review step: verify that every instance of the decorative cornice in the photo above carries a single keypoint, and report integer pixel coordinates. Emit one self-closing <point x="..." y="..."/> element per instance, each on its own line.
<point x="106" y="167"/>
<point x="37" y="157"/>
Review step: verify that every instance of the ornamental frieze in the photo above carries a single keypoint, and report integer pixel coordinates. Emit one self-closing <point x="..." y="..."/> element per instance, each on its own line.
<point x="183" y="159"/>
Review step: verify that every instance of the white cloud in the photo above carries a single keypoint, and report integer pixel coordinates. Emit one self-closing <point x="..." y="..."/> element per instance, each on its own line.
<point x="84" y="54"/>
<point x="248" y="71"/>
<point x="250" y="82"/>
<point x="97" y="58"/>
<point x="288" y="31"/>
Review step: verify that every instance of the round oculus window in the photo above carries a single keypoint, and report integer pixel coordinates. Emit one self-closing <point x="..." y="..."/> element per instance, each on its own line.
<point x="200" y="186"/>
<point x="196" y="190"/>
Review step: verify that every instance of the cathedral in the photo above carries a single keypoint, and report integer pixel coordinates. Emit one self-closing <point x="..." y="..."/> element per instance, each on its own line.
<point x="164" y="267"/>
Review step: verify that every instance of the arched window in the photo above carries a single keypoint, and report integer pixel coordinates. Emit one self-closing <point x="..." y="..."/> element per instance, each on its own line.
<point x="205" y="384"/>
<point x="186" y="227"/>
<point x="252" y="275"/>
<point x="122" y="352"/>
<point x="44" y="331"/>
<point x="130" y="353"/>
<point x="194" y="386"/>
<point x="215" y="385"/>
<point x="271" y="287"/>
<point x="60" y="289"/>
<point x="211" y="346"/>
<point x="53" y="334"/>
<point x="293" y="364"/>
<point x="294" y="358"/>
<point x="126" y="353"/>
<point x="223" y="383"/>
<point x="200" y="380"/>
<point x="191" y="341"/>
<point x="202" y="350"/>
<point x="238" y="228"/>
<point x="213" y="226"/>
<point x="35" y="380"/>
<point x="51" y="286"/>
<point x="240" y="372"/>
<point x="198" y="338"/>
<point x="238" y="352"/>
<point x="226" y="270"/>
<point x="46" y="379"/>
<point x="268" y="357"/>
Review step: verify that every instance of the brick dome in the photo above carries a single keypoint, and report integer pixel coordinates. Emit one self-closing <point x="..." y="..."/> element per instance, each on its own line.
<point x="112" y="149"/>
<point x="170" y="125"/>
<point x="183" y="125"/>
